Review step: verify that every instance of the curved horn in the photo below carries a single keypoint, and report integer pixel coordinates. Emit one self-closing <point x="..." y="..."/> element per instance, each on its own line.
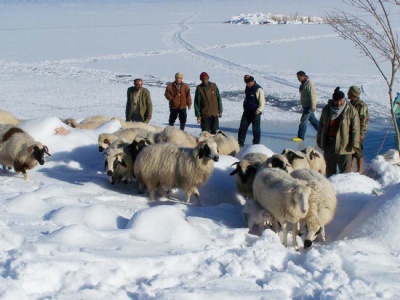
<point x="46" y="150"/>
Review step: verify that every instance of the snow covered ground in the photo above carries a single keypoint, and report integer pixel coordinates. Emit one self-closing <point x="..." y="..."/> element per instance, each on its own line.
<point x="67" y="233"/>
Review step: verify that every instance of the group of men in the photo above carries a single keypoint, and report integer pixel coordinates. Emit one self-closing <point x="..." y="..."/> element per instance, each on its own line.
<point x="341" y="128"/>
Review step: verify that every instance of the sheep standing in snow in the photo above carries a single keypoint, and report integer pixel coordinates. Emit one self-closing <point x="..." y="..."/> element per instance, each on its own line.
<point x="119" y="167"/>
<point x="285" y="197"/>
<point x="8" y="118"/>
<point x="227" y="144"/>
<point x="298" y="160"/>
<point x="129" y="134"/>
<point x="278" y="161"/>
<point x="173" y="135"/>
<point x="322" y="203"/>
<point x="245" y="173"/>
<point x="87" y="123"/>
<point x="19" y="150"/>
<point x="316" y="159"/>
<point x="140" y="125"/>
<point x="168" y="165"/>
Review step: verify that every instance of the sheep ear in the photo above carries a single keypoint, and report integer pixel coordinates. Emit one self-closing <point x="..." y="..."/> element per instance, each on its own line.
<point x="292" y="190"/>
<point x="297" y="156"/>
<point x="314" y="154"/>
<point x="30" y="148"/>
<point x="221" y="132"/>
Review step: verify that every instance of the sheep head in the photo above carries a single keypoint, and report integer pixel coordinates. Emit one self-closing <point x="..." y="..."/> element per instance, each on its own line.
<point x="291" y="155"/>
<point x="300" y="196"/>
<point x="38" y="151"/>
<point x="208" y="149"/>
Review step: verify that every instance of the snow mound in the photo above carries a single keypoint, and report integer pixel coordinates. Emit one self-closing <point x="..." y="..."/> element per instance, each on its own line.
<point x="273" y="19"/>
<point x="165" y="224"/>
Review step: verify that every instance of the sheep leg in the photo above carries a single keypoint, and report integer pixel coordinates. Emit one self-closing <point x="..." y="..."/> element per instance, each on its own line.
<point x="295" y="232"/>
<point x="284" y="233"/>
<point x="25" y="174"/>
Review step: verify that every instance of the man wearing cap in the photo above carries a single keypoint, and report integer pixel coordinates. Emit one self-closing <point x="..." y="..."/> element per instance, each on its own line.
<point x="139" y="107"/>
<point x="207" y="104"/>
<point x="308" y="101"/>
<point x="354" y="95"/>
<point x="178" y="95"/>
<point x="338" y="133"/>
<point x="253" y="106"/>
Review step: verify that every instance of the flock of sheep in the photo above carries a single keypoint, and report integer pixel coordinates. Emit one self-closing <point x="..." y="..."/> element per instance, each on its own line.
<point x="281" y="189"/>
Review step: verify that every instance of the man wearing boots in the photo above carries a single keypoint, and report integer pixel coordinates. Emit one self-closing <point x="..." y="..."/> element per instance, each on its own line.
<point x="354" y="95"/>
<point x="178" y="95"/>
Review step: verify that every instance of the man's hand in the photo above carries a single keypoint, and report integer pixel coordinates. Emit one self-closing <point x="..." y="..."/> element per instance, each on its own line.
<point x="189" y="106"/>
<point x="198" y="120"/>
<point x="313" y="109"/>
<point x="219" y="115"/>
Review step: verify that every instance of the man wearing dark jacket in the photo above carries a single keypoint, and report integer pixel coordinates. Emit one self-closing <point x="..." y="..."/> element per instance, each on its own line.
<point x="253" y="106"/>
<point x="207" y="104"/>
<point x="178" y="95"/>
<point x="138" y="105"/>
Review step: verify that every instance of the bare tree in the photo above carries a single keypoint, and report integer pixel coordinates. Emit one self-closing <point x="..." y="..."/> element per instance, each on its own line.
<point x="376" y="39"/>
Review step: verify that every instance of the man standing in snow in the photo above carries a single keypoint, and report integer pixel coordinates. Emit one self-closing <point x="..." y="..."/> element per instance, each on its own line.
<point x="207" y="104"/>
<point x="178" y="95"/>
<point x="308" y="100"/>
<point x="354" y="95"/>
<point x="253" y="106"/>
<point x="338" y="133"/>
<point x="138" y="105"/>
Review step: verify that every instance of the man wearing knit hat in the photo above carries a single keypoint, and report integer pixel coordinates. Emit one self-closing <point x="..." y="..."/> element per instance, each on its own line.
<point x="338" y="133"/>
<point x="207" y="104"/>
<point x="354" y="95"/>
<point x="253" y="106"/>
<point x="178" y="95"/>
<point x="308" y="101"/>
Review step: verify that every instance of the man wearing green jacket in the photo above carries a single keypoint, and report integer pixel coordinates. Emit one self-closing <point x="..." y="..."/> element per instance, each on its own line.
<point x="338" y="133"/>
<point x="207" y="104"/>
<point x="139" y="107"/>
<point x="308" y="101"/>
<point x="353" y="94"/>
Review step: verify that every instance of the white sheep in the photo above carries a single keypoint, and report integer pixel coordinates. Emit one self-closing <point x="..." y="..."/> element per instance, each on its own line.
<point x="87" y="123"/>
<point x="227" y="144"/>
<point x="118" y="162"/>
<point x="298" y="160"/>
<point x="285" y="197"/>
<point x="322" y="203"/>
<point x="278" y="161"/>
<point x="245" y="172"/>
<point x="173" y="135"/>
<point x="129" y="134"/>
<point x="141" y="125"/>
<point x="316" y="159"/>
<point x="168" y="165"/>
<point x="19" y="150"/>
<point x="8" y="118"/>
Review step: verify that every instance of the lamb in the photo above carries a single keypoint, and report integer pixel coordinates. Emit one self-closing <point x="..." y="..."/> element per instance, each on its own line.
<point x="298" y="160"/>
<point x="172" y="166"/>
<point x="173" y="135"/>
<point x="19" y="150"/>
<point x="256" y="217"/>
<point x="322" y="203"/>
<point x="285" y="197"/>
<point x="278" y="161"/>
<point x="129" y="134"/>
<point x="8" y="118"/>
<point x="316" y="159"/>
<point x="227" y="144"/>
<point x="245" y="172"/>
